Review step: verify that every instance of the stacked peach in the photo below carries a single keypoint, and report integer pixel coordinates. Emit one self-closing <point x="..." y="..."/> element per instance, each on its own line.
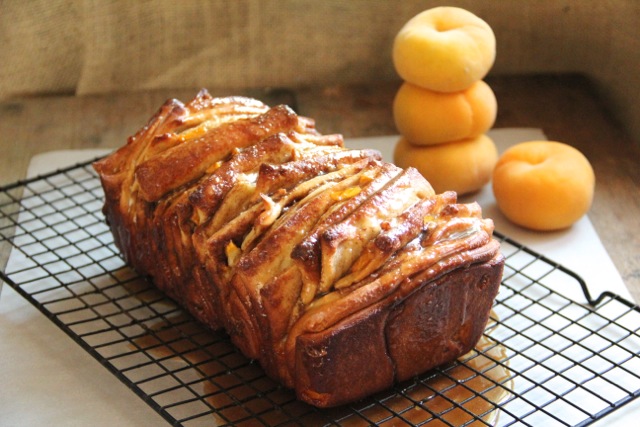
<point x="443" y="108"/>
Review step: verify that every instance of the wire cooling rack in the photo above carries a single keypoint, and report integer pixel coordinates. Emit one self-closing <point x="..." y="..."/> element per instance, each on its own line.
<point x="544" y="359"/>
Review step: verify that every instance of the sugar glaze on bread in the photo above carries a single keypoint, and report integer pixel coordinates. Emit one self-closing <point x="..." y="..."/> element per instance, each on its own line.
<point x="340" y="273"/>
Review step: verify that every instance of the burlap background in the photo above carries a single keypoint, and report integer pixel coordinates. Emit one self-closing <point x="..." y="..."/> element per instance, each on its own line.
<point x="100" y="46"/>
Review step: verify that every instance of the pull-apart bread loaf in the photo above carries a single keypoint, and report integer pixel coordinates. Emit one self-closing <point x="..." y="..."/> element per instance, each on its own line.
<point x="340" y="273"/>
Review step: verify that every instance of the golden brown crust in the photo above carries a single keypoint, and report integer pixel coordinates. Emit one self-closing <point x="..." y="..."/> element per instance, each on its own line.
<point x="183" y="163"/>
<point x="314" y="258"/>
<point x="388" y="343"/>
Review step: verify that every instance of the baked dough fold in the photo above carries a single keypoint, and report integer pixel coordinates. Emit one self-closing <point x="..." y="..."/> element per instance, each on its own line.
<point x="316" y="259"/>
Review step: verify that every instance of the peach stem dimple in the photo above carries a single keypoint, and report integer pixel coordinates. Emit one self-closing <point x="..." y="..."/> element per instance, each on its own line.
<point x="442" y="26"/>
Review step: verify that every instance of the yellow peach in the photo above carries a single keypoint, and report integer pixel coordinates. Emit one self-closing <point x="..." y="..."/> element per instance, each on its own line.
<point x="543" y="185"/>
<point x="461" y="166"/>
<point x="426" y="117"/>
<point x="445" y="49"/>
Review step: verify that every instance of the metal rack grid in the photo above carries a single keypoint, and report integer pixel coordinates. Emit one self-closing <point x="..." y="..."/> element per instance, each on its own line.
<point x="544" y="360"/>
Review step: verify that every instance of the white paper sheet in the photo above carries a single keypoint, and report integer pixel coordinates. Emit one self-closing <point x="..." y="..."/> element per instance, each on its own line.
<point x="47" y="379"/>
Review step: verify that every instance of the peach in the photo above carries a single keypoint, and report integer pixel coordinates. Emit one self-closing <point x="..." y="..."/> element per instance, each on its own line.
<point x="543" y="185"/>
<point x="426" y="117"/>
<point x="461" y="166"/>
<point x="444" y="49"/>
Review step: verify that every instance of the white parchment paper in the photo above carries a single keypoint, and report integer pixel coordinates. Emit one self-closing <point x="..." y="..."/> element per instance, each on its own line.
<point x="47" y="379"/>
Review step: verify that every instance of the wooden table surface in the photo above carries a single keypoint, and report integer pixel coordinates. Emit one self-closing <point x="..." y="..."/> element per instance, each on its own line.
<point x="565" y="107"/>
